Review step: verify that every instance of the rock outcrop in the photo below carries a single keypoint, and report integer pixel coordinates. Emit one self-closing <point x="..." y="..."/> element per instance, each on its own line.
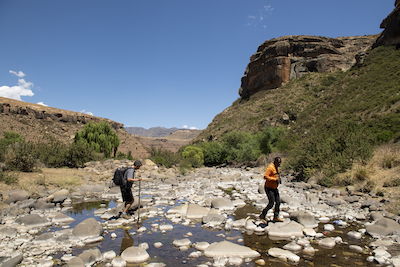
<point x="9" y="106"/>
<point x="391" y="24"/>
<point x="279" y="60"/>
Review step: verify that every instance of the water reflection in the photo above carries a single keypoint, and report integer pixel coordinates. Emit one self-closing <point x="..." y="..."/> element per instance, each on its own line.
<point x="340" y="255"/>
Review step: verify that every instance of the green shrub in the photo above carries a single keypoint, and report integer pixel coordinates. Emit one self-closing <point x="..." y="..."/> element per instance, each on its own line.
<point x="9" y="179"/>
<point x="23" y="160"/>
<point x="212" y="152"/>
<point x="164" y="157"/>
<point x="332" y="148"/>
<point x="100" y="137"/>
<point x="194" y="155"/>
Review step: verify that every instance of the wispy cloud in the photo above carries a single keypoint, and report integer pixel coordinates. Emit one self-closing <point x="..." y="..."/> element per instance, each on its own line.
<point x="15" y="92"/>
<point x="19" y="73"/>
<point x="258" y="19"/>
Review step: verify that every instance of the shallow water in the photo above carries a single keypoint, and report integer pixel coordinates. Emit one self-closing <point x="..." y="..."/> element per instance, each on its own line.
<point x="340" y="255"/>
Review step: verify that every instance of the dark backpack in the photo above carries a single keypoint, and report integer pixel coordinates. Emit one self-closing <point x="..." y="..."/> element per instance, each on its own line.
<point x="119" y="175"/>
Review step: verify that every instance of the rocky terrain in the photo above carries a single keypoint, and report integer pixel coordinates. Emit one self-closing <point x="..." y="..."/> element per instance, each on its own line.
<point x="35" y="228"/>
<point x="289" y="57"/>
<point x="151" y="132"/>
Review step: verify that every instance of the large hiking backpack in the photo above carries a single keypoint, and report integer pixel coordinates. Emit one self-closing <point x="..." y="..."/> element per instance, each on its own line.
<point x="118" y="178"/>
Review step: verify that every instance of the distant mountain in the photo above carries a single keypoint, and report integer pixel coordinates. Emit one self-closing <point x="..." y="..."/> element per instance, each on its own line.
<point x="152" y="132"/>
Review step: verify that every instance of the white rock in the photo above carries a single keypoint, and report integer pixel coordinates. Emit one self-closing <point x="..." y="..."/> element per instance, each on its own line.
<point x="158" y="245"/>
<point x="327" y="242"/>
<point x="118" y="262"/>
<point x="135" y="255"/>
<point x="329" y="227"/>
<point x="283" y="254"/>
<point x="182" y="242"/>
<point x="108" y="255"/>
<point x="229" y="249"/>
<point x="201" y="245"/>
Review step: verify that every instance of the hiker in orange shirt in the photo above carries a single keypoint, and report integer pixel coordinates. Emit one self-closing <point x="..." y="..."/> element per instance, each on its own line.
<point x="272" y="180"/>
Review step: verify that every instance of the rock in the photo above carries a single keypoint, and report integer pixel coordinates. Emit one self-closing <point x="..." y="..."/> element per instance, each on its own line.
<point x="288" y="57"/>
<point x="135" y="255"/>
<point x="62" y="218"/>
<point x="283" y="255"/>
<point x="16" y="195"/>
<point x="292" y="246"/>
<point x="281" y="230"/>
<point x="368" y="203"/>
<point x="11" y="260"/>
<point x="229" y="249"/>
<point x="89" y="257"/>
<point x="33" y="220"/>
<point x="201" y="245"/>
<point x="214" y="219"/>
<point x="182" y="242"/>
<point x="327" y="242"/>
<point x="42" y="204"/>
<point x="195" y="211"/>
<point x="391" y="34"/>
<point x="304" y="218"/>
<point x="352" y="199"/>
<point x="334" y="202"/>
<point x="222" y="204"/>
<point x="87" y="228"/>
<point x="383" y="227"/>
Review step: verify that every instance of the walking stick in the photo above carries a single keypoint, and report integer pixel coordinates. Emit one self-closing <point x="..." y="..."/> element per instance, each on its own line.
<point x="139" y="205"/>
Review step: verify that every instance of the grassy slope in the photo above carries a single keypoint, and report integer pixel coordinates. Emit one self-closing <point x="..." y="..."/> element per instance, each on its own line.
<point x="369" y="94"/>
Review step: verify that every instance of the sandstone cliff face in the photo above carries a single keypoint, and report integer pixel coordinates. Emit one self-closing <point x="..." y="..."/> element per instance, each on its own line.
<point x="279" y="60"/>
<point x="391" y="34"/>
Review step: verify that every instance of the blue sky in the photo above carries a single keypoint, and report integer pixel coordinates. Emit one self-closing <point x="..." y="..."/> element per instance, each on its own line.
<point x="149" y="63"/>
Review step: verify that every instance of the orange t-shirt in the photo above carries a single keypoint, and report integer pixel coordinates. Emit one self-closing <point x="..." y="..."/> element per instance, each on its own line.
<point x="270" y="176"/>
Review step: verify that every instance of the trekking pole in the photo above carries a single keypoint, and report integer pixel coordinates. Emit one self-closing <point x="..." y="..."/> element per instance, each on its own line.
<point x="139" y="205"/>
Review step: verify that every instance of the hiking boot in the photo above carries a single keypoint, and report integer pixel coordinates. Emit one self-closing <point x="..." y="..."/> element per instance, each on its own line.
<point x="262" y="218"/>
<point x="125" y="216"/>
<point x="277" y="219"/>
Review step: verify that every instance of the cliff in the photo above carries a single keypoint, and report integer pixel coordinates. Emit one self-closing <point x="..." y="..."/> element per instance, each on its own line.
<point x="391" y="26"/>
<point x="285" y="58"/>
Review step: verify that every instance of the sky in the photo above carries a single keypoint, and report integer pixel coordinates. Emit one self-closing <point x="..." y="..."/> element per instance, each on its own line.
<point x="149" y="63"/>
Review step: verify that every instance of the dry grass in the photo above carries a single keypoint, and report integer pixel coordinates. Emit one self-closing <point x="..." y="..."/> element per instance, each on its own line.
<point x="49" y="178"/>
<point x="382" y="171"/>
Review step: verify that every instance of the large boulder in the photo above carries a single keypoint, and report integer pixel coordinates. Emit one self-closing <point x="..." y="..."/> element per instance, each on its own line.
<point x="304" y="218"/>
<point x="195" y="211"/>
<point x="88" y="228"/>
<point x="33" y="220"/>
<point x="222" y="203"/>
<point x="135" y="255"/>
<point x="383" y="227"/>
<point x="16" y="195"/>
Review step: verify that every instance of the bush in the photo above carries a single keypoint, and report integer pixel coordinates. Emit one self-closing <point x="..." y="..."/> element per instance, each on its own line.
<point x="332" y="148"/>
<point x="164" y="157"/>
<point x="212" y="152"/>
<point x="10" y="178"/>
<point x="99" y="137"/>
<point x="193" y="155"/>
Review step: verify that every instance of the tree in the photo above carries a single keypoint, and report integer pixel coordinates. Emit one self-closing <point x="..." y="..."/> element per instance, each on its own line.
<point x="194" y="155"/>
<point x="99" y="136"/>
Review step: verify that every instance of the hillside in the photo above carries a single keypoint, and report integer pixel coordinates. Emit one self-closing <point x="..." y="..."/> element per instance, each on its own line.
<point x="38" y="123"/>
<point x="151" y="132"/>
<point x="368" y="93"/>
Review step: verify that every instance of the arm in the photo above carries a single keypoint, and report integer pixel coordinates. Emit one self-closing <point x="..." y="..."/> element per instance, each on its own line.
<point x="130" y="176"/>
<point x="271" y="173"/>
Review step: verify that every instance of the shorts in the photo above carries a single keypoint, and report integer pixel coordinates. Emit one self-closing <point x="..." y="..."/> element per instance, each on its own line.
<point x="126" y="194"/>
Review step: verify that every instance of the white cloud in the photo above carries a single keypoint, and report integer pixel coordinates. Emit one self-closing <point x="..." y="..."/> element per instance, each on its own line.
<point x="15" y="92"/>
<point x="41" y="103"/>
<point x="19" y="74"/>
<point x="190" y="128"/>
<point x="86" y="112"/>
